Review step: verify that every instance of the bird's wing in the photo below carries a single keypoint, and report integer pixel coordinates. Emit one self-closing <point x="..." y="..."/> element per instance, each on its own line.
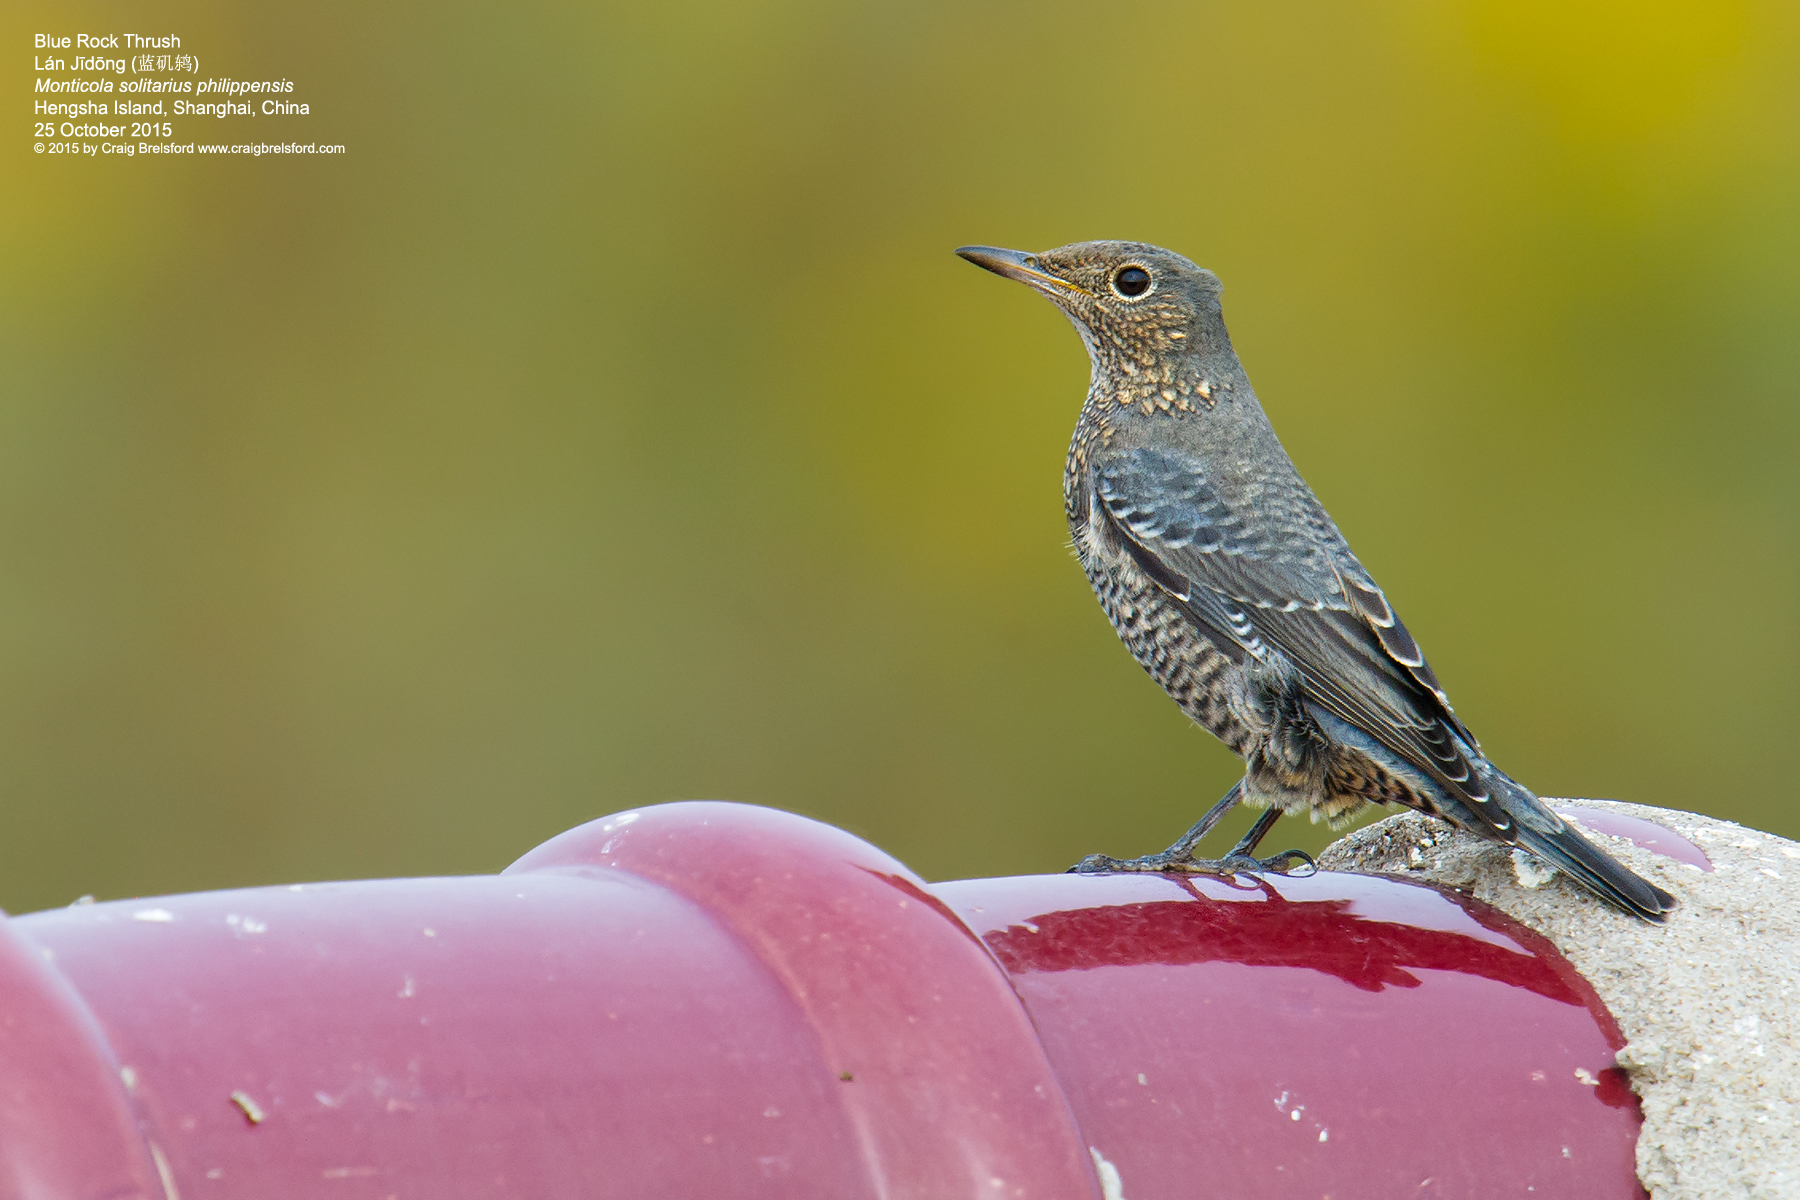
<point x="1286" y="580"/>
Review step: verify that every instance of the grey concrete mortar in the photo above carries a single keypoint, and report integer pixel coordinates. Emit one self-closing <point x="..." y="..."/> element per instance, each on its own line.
<point x="1708" y="1002"/>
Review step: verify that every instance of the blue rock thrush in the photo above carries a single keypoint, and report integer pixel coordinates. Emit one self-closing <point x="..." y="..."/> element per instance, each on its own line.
<point x="1234" y="589"/>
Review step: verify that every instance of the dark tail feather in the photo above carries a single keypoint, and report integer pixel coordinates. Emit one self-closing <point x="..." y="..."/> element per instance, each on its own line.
<point x="1594" y="870"/>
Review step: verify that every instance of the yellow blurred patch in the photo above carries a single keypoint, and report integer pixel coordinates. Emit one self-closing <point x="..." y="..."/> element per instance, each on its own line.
<point x="1613" y="70"/>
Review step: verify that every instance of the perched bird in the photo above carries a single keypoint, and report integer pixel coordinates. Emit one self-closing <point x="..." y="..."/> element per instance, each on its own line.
<point x="1224" y="576"/>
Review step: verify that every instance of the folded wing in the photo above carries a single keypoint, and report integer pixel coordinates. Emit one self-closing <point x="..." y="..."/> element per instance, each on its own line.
<point x="1288" y="582"/>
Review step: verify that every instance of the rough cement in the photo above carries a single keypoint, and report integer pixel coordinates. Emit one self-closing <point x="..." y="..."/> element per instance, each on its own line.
<point x="1708" y="1002"/>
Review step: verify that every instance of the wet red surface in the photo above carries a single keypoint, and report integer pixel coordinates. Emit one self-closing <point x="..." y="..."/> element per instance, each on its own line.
<point x="1336" y="1036"/>
<point x="719" y="1000"/>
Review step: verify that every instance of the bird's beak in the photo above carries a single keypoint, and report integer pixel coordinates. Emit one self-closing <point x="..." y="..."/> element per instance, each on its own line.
<point x="1016" y="264"/>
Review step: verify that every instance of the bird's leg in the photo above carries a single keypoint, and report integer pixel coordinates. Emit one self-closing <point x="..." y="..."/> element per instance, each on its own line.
<point x="1181" y="852"/>
<point x="1181" y="857"/>
<point x="1176" y="856"/>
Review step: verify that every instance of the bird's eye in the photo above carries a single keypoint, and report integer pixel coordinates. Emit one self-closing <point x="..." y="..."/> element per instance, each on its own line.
<point x="1131" y="281"/>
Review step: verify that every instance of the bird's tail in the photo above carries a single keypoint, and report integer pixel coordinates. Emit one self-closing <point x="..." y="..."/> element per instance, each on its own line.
<point x="1541" y="831"/>
<point x="1597" y="871"/>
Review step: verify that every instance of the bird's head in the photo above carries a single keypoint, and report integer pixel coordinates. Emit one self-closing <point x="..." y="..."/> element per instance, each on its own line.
<point x="1150" y="318"/>
<point x="1124" y="297"/>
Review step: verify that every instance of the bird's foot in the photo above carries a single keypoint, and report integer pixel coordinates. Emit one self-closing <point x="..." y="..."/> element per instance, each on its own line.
<point x="1285" y="863"/>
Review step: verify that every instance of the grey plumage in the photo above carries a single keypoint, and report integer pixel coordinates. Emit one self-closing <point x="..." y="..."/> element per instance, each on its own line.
<point x="1235" y="590"/>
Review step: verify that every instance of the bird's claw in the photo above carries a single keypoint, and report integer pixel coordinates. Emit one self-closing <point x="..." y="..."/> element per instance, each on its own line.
<point x="1287" y="862"/>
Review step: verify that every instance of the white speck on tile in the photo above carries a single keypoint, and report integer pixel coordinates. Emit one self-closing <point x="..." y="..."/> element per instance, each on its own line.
<point x="252" y="1111"/>
<point x="1111" y="1186"/>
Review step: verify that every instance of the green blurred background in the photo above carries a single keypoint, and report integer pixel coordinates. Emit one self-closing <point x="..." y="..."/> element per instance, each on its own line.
<point x="613" y="424"/>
